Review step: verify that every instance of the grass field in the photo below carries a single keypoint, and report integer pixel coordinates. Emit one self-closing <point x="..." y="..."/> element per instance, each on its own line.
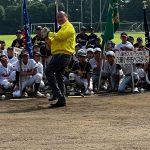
<point x="9" y="38"/>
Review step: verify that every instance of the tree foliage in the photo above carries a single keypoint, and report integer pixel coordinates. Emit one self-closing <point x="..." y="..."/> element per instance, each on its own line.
<point x="43" y="11"/>
<point x="2" y="12"/>
<point x="37" y="11"/>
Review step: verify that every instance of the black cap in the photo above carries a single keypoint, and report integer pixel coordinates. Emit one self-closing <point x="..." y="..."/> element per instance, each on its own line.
<point x="39" y="28"/>
<point x="2" y="42"/>
<point x="91" y="28"/>
<point x="97" y="38"/>
<point x="109" y="42"/>
<point x="139" y="39"/>
<point x="18" y="31"/>
<point x="35" y="45"/>
<point x="124" y="34"/>
<point x="9" y="48"/>
<point x="83" y="28"/>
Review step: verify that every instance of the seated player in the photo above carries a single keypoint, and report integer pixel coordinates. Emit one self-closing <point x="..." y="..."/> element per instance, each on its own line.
<point x="131" y="39"/>
<point x="7" y="75"/>
<point x="18" y="42"/>
<point x="89" y="53"/>
<point x="92" y="37"/>
<point x="3" y="51"/>
<point x="78" y="46"/>
<point x="37" y="39"/>
<point x="112" y="71"/>
<point x="125" y="44"/>
<point x="68" y="70"/>
<point x="36" y="48"/>
<point x="139" y="44"/>
<point x="10" y="55"/>
<point x="81" y="73"/>
<point x="147" y="76"/>
<point x="129" y="75"/>
<point x="27" y="74"/>
<point x="108" y="46"/>
<point x="37" y="56"/>
<point x="95" y="64"/>
<point x="82" y="38"/>
<point x="97" y="43"/>
<point x="142" y="75"/>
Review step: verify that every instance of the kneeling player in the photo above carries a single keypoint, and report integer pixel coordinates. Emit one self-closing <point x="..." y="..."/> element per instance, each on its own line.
<point x="130" y="77"/>
<point x="81" y="73"/>
<point x="26" y="74"/>
<point x="7" y="75"/>
<point x="112" y="71"/>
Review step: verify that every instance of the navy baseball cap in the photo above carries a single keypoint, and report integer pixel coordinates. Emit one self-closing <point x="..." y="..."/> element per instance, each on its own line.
<point x="9" y="48"/>
<point x="139" y="39"/>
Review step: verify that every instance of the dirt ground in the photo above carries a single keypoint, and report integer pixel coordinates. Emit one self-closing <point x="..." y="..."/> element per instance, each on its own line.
<point x="98" y="122"/>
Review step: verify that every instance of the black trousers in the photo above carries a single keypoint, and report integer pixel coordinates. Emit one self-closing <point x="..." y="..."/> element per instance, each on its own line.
<point x="55" y="73"/>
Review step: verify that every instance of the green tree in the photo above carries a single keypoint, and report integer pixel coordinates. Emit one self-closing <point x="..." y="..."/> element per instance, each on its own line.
<point x="37" y="12"/>
<point x="2" y="12"/>
<point x="50" y="14"/>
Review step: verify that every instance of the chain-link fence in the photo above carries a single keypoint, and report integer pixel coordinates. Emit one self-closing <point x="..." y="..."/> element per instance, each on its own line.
<point x="99" y="27"/>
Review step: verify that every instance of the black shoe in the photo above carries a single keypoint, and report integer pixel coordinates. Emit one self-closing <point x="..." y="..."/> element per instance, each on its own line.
<point x="58" y="104"/>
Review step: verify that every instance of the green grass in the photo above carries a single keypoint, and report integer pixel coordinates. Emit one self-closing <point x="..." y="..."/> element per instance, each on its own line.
<point x="134" y="34"/>
<point x="9" y="38"/>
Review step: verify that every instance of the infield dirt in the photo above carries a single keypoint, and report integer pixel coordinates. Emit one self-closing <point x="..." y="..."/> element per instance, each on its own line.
<point x="90" y="123"/>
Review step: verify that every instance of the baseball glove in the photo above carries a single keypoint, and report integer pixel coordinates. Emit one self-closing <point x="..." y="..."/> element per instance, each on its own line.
<point x="44" y="32"/>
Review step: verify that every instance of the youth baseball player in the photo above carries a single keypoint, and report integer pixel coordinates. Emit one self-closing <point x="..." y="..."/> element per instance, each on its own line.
<point x="111" y="71"/>
<point x="129" y="70"/>
<point x="124" y="45"/>
<point x="7" y="75"/>
<point x="95" y="64"/>
<point x="10" y="55"/>
<point x="27" y="72"/>
<point x="81" y="73"/>
<point x="37" y="56"/>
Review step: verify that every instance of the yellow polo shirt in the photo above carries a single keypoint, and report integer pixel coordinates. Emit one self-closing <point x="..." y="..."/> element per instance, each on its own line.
<point x="62" y="42"/>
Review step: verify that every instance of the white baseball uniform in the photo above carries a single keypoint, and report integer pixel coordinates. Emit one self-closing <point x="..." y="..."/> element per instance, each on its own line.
<point x="7" y="76"/>
<point x="40" y="72"/>
<point x="12" y="60"/>
<point x="28" y="80"/>
<point x="121" y="45"/>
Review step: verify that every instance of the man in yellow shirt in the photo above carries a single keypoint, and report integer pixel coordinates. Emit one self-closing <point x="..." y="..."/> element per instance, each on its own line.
<point x="62" y="45"/>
